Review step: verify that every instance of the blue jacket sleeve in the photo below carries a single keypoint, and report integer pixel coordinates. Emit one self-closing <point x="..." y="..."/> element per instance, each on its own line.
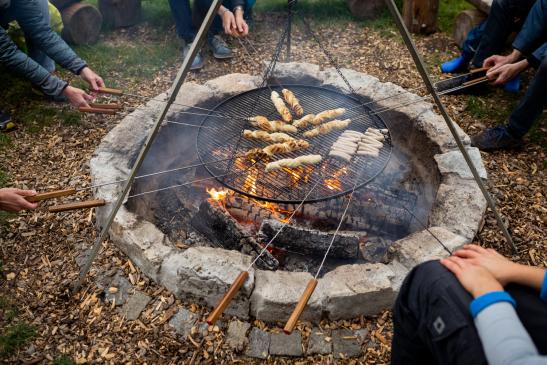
<point x="19" y="62"/>
<point x="534" y="31"/>
<point x="538" y="55"/>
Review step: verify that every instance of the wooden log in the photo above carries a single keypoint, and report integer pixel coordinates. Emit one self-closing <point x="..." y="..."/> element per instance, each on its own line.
<point x="420" y="16"/>
<point x="482" y="5"/>
<point x="82" y="23"/>
<point x="300" y="306"/>
<point x="50" y="195"/>
<point x="62" y="4"/>
<point x="120" y="13"/>
<point x="234" y="288"/>
<point x="365" y="9"/>
<point x="465" y="21"/>
<point x="77" y="205"/>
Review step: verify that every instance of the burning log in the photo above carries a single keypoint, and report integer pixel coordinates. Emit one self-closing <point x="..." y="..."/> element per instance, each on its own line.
<point x="215" y="223"/>
<point x="309" y="241"/>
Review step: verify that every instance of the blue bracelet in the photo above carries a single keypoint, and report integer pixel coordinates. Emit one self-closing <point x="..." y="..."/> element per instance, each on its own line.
<point x="543" y="293"/>
<point x="490" y="298"/>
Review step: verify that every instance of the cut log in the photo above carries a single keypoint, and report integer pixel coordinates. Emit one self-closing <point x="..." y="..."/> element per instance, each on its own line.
<point x="365" y="9"/>
<point x="82" y="24"/>
<point x="62" y="4"/>
<point x="420" y="16"/>
<point x="310" y="241"/>
<point x="483" y="5"/>
<point x="120" y="13"/>
<point x="465" y="21"/>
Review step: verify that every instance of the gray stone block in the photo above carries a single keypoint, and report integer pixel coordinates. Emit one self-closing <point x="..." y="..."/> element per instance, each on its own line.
<point x="135" y="305"/>
<point x="320" y="342"/>
<point x="205" y="274"/>
<point x="345" y="343"/>
<point x="183" y="321"/>
<point x="236" y="338"/>
<point x="296" y="72"/>
<point x="120" y="283"/>
<point x="453" y="163"/>
<point x="286" y="345"/>
<point x="259" y="344"/>
<point x="232" y="84"/>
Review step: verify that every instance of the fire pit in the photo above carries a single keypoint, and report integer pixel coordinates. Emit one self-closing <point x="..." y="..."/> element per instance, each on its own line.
<point x="203" y="225"/>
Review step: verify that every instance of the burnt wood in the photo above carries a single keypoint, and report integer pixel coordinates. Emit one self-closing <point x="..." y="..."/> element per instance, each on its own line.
<point x="82" y="23"/>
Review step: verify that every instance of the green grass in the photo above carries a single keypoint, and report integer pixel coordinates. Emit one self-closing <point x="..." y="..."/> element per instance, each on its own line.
<point x="448" y="10"/>
<point x="482" y="108"/>
<point x="15" y="337"/>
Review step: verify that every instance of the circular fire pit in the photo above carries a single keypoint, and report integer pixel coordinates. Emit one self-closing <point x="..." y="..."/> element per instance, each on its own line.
<point x="196" y="237"/>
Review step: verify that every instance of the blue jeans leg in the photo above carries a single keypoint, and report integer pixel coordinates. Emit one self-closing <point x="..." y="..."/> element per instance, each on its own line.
<point x="183" y="19"/>
<point x="34" y="51"/>
<point x="532" y="104"/>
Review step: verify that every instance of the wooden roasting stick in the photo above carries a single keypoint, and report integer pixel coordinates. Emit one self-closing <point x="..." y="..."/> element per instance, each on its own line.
<point x="234" y="288"/>
<point x="77" y="205"/>
<point x="475" y="81"/>
<point x="477" y="70"/>
<point x="50" y="195"/>
<point x="291" y="323"/>
<point x="85" y="109"/>
<point x="105" y="106"/>
<point x="108" y="90"/>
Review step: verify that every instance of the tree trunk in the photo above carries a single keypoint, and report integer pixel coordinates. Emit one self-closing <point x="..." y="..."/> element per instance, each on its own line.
<point x="420" y="16"/>
<point x="82" y="24"/>
<point x="365" y="9"/>
<point x="120" y="13"/>
<point x="465" y="21"/>
<point x="62" y="4"/>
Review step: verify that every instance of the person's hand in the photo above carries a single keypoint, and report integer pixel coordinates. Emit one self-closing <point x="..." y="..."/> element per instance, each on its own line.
<point x="229" y="23"/>
<point x="475" y="279"/>
<point x="242" y="27"/>
<point x="13" y="200"/>
<point x="500" y="267"/>
<point x="95" y="81"/>
<point x="503" y="74"/>
<point x="497" y="61"/>
<point x="77" y="97"/>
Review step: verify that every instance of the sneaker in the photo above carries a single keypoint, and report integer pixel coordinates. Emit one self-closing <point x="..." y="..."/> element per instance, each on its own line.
<point x="197" y="63"/>
<point x="459" y="64"/>
<point x="6" y="125"/>
<point x="219" y="47"/>
<point x="495" y="139"/>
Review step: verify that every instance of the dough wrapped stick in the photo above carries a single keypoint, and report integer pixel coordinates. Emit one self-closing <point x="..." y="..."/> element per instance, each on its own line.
<point x="271" y="125"/>
<point x="304" y="121"/>
<point x="281" y="107"/>
<point x="267" y="137"/>
<point x="328" y="114"/>
<point x="294" y="162"/>
<point x="293" y="102"/>
<point x="255" y="154"/>
<point x="327" y="127"/>
<point x="286" y="147"/>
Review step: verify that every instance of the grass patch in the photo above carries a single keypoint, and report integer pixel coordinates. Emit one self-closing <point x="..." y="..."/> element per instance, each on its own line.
<point x="448" y="10"/>
<point x="63" y="360"/>
<point x="15" y="337"/>
<point x="482" y="108"/>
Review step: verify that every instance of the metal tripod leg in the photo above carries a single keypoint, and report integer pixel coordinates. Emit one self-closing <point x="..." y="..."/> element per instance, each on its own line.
<point x="425" y="76"/>
<point x="179" y="80"/>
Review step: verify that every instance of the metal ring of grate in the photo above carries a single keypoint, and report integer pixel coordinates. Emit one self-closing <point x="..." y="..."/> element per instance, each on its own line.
<point x="287" y="185"/>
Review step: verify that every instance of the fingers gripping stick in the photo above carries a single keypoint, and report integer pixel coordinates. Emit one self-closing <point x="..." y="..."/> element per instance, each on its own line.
<point x="50" y="195"/>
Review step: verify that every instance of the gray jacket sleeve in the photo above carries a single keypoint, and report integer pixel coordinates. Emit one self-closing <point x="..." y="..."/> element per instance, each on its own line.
<point x="504" y="339"/>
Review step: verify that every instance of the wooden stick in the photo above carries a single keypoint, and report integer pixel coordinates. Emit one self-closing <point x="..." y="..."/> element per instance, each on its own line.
<point x="217" y="312"/>
<point x="291" y="323"/>
<point x="77" y="205"/>
<point x="476" y="70"/>
<point x="475" y="81"/>
<point x="105" y="106"/>
<point x="85" y="109"/>
<point x="50" y="195"/>
<point x="108" y="90"/>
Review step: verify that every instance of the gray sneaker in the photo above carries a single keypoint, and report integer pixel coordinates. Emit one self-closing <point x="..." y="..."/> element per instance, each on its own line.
<point x="220" y="48"/>
<point x="198" y="60"/>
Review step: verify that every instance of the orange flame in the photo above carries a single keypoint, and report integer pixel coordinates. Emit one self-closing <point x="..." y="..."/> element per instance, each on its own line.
<point x="217" y="195"/>
<point x="334" y="183"/>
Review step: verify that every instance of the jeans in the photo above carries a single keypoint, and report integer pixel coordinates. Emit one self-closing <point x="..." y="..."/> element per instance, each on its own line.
<point x="183" y="19"/>
<point x="431" y="294"/>
<point x="506" y="16"/>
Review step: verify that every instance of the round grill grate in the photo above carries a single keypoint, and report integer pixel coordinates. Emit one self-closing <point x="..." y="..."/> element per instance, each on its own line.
<point x="222" y="138"/>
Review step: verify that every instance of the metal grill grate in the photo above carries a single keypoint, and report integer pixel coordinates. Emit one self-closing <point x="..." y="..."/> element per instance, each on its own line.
<point x="333" y="177"/>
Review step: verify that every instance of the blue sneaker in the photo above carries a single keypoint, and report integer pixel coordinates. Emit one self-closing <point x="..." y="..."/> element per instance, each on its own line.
<point x="456" y="65"/>
<point x="219" y="47"/>
<point x="496" y="138"/>
<point x="513" y="86"/>
<point x="198" y="60"/>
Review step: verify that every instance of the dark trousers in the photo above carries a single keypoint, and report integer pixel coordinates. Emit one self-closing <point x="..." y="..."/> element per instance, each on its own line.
<point x="432" y="323"/>
<point x="183" y="19"/>
<point x="506" y="16"/>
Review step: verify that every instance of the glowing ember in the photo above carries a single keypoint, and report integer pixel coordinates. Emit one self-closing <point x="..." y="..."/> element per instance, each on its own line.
<point x="281" y="215"/>
<point x="217" y="194"/>
<point x="250" y="182"/>
<point x="334" y="184"/>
